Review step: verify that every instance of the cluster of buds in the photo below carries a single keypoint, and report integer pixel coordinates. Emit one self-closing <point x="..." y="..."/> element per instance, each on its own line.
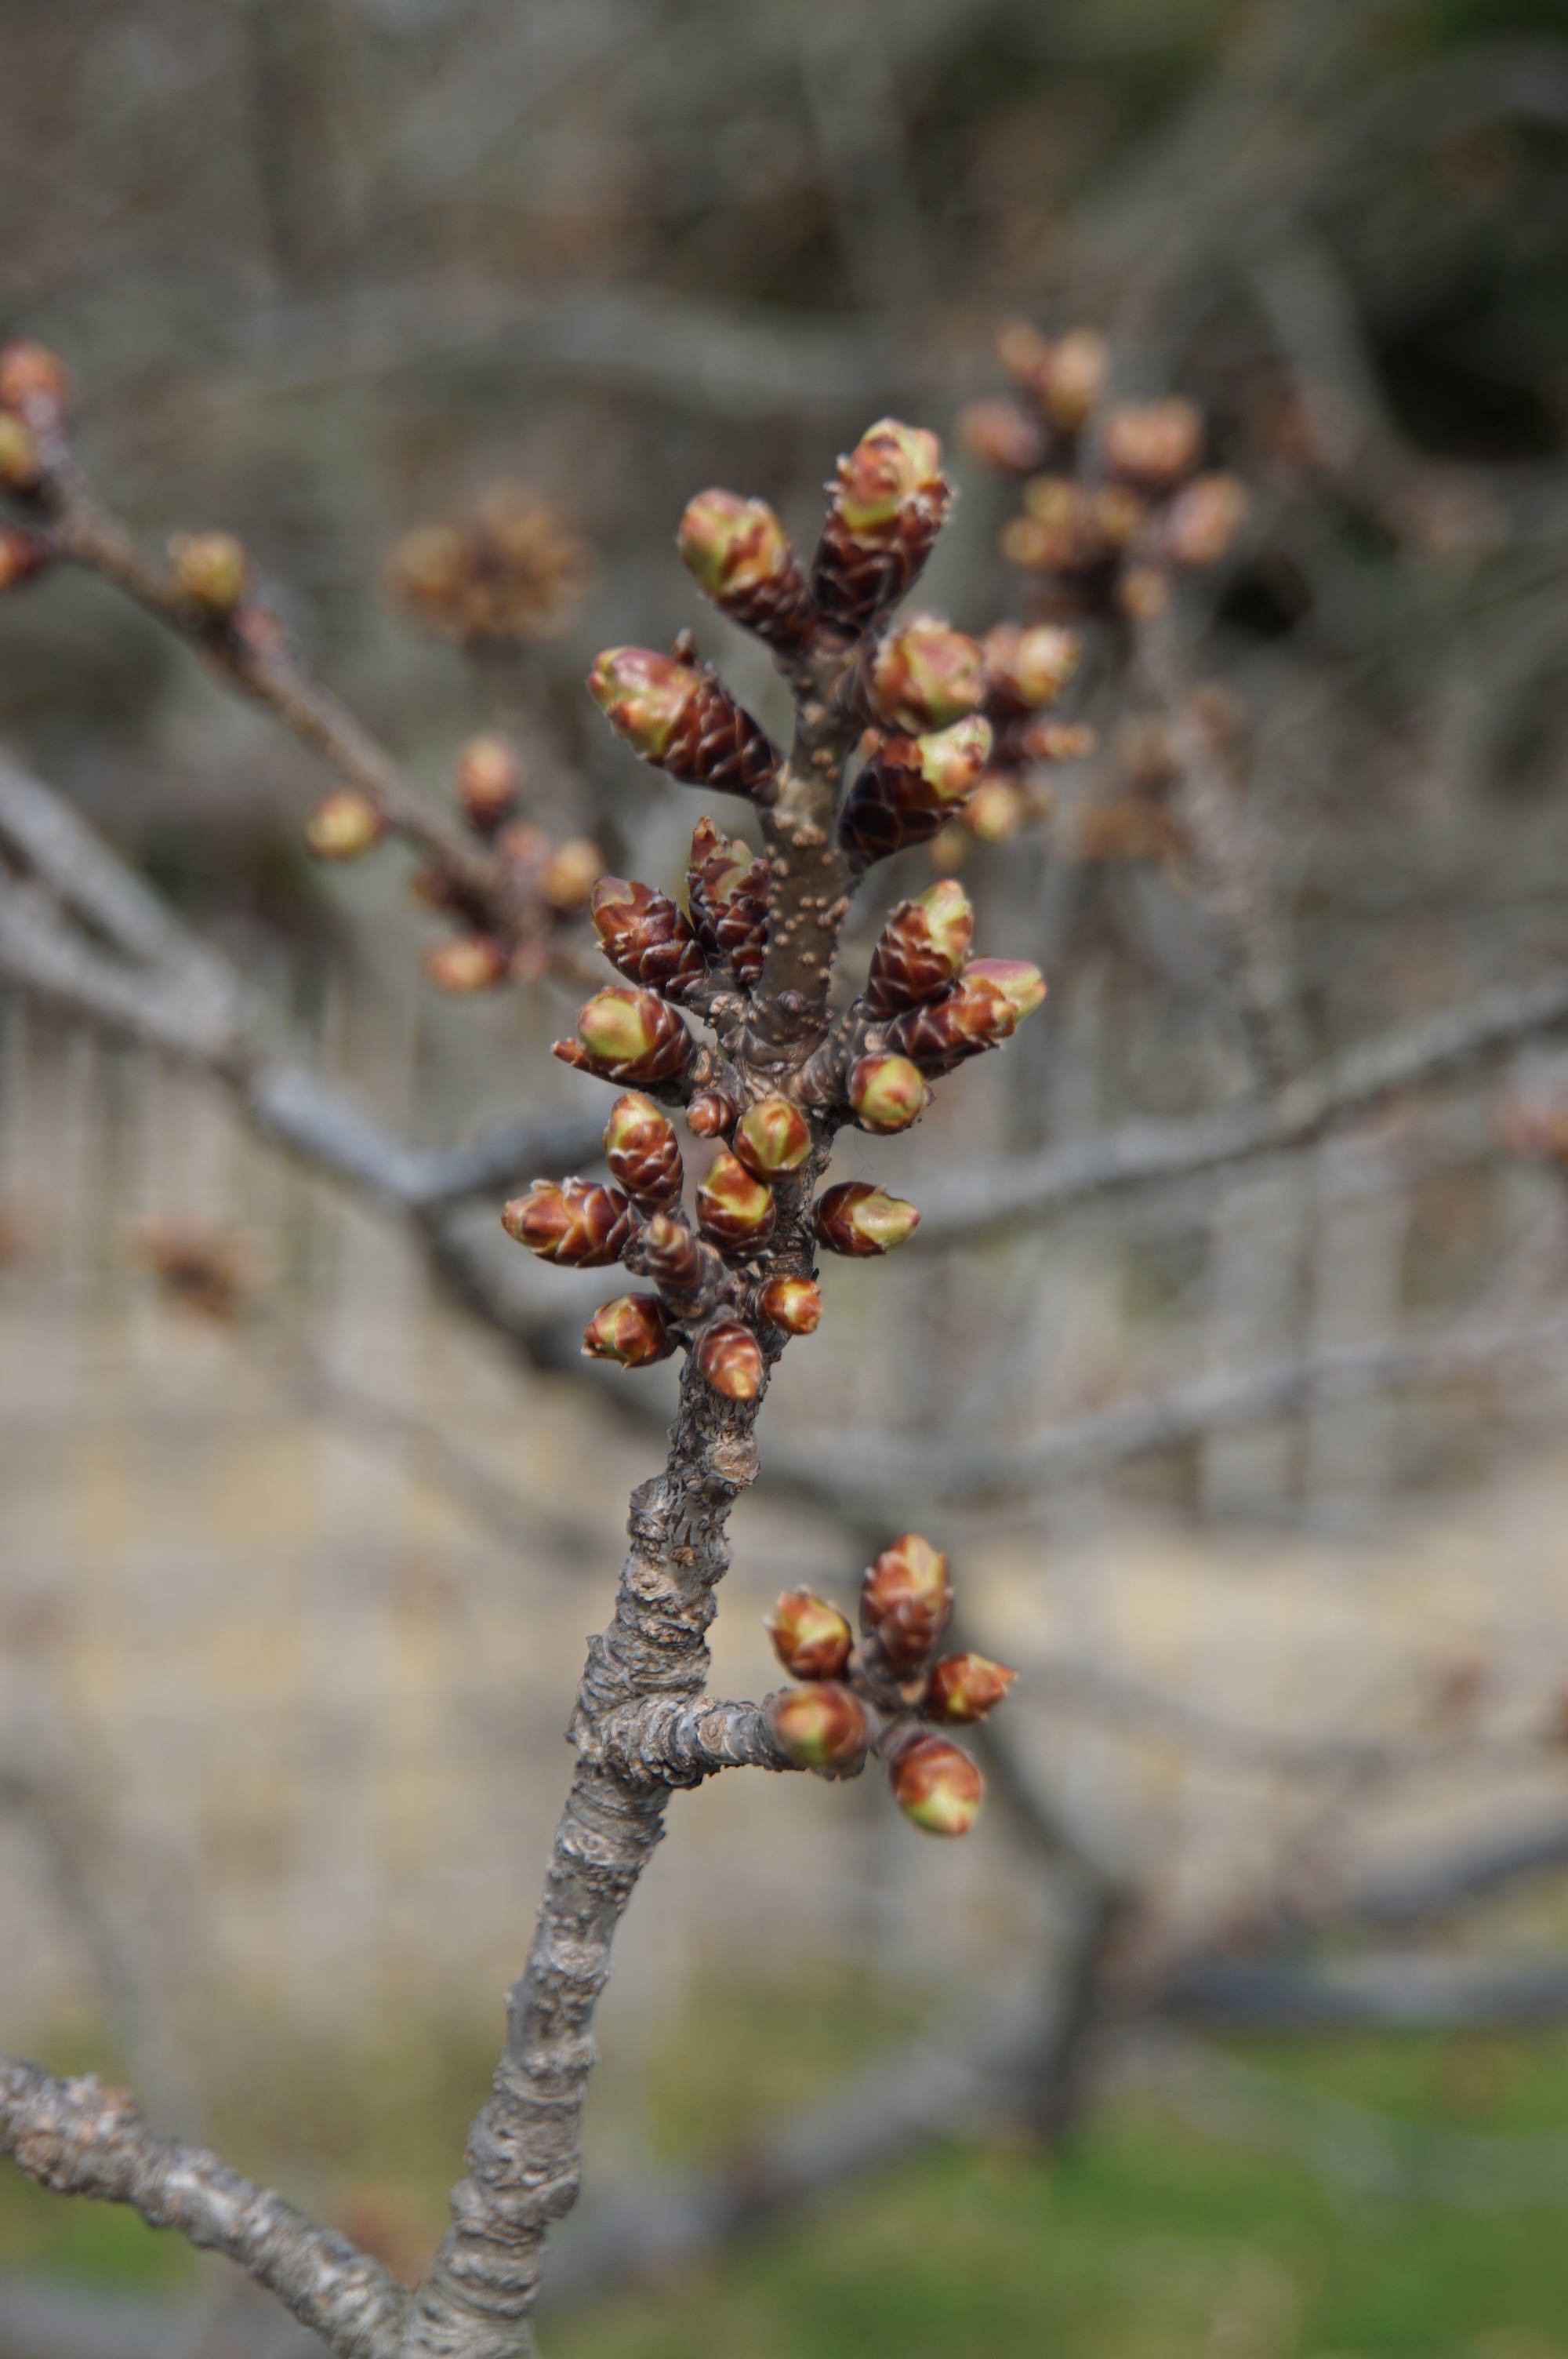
<point x="512" y="572"/>
<point x="886" y="1693"/>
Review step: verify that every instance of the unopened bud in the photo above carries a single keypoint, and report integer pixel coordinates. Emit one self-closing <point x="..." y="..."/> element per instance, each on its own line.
<point x="489" y="780"/>
<point x="1153" y="444"/>
<point x="577" y="1223"/>
<point x="966" y="1687"/>
<point x="1020" y="983"/>
<point x="1031" y="667"/>
<point x="711" y="1114"/>
<point x="567" y="877"/>
<point x="34" y="382"/>
<point x="343" y="825"/>
<point x="1074" y="378"/>
<point x="938" y="1787"/>
<point x="950" y="760"/>
<point x="995" y="810"/>
<point x="926" y="675"/>
<point x="824" y="1726"/>
<point x="734" y="1208"/>
<point x="646" y="935"/>
<point x="740" y="554"/>
<point x="1002" y="434"/>
<point x="811" y="1638"/>
<point x="467" y="963"/>
<point x="642" y="695"/>
<point x="1204" y="519"/>
<point x="911" y="1569"/>
<point x="889" y="501"/>
<point x="634" y="1331"/>
<point x="887" y="1094"/>
<point x="633" y="1036"/>
<point x="730" y="1359"/>
<point x="21" y="466"/>
<point x="683" y="721"/>
<point x="643" y="1151"/>
<point x="23" y="555"/>
<point x="921" y="947"/>
<point x="793" y="1303"/>
<point x="212" y="570"/>
<point x="890" y="466"/>
<point x="856" y="1218"/>
<point x="1143" y="593"/>
<point x="771" y="1136"/>
<point x="677" y="1261"/>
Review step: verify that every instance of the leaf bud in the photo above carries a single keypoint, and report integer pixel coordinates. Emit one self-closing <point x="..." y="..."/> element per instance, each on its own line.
<point x="811" y="1638"/>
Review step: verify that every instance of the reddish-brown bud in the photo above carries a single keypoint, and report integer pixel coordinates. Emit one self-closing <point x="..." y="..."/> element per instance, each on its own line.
<point x="996" y="810"/>
<point x="966" y="1687"/>
<point x="856" y="1218"/>
<point x="568" y="876"/>
<point x="467" y="963"/>
<point x="921" y="948"/>
<point x="21" y="464"/>
<point x="983" y="1009"/>
<point x="735" y="1209"/>
<point x="888" y="503"/>
<point x="728" y="894"/>
<point x="634" y="1331"/>
<point x="647" y="936"/>
<point x="887" y="1094"/>
<point x="811" y="1638"/>
<point x="741" y="555"/>
<point x="730" y="1359"/>
<point x="643" y="1151"/>
<point x="771" y="1136"/>
<point x="34" y="382"/>
<point x="824" y="1726"/>
<point x="793" y="1303"/>
<point x="343" y="825"/>
<point x="1204" y="519"/>
<point x="642" y="695"/>
<point x="925" y="675"/>
<point x="680" y="719"/>
<point x="938" y="1787"/>
<point x="489" y="780"/>
<point x="1031" y="667"/>
<point x="23" y="555"/>
<point x="633" y="1036"/>
<point x="1002" y="434"/>
<point x="678" y="1262"/>
<point x="212" y="571"/>
<point x="1021" y="984"/>
<point x="711" y="1114"/>
<point x="910" y="1568"/>
<point x="1153" y="444"/>
<point x="577" y="1223"/>
<point x="910" y="785"/>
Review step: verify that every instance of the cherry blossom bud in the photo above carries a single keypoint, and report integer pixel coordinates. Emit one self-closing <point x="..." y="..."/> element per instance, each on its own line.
<point x="925" y="675"/>
<point x="683" y="721"/>
<point x="910" y="785"/>
<point x="824" y="1726"/>
<point x="680" y="1262"/>
<point x="1031" y="667"/>
<point x="1153" y="444"/>
<point x="909" y="1568"/>
<point x="856" y="1218"/>
<point x="950" y="760"/>
<point x="21" y="464"/>
<point x="642" y="695"/>
<point x="734" y="1208"/>
<point x="24" y="556"/>
<point x="995" y="810"/>
<point x="343" y="825"/>
<point x="966" y="1687"/>
<point x="467" y="963"/>
<point x="771" y="1136"/>
<point x="34" y="382"/>
<point x="890" y="466"/>
<point x="1204" y="519"/>
<point x="568" y="876"/>
<point x="741" y="555"/>
<point x="634" y="1331"/>
<point x="938" y="1787"/>
<point x="633" y="1036"/>
<point x="1002" y="434"/>
<point x="921" y="948"/>
<point x="1021" y="984"/>
<point x="730" y="1359"/>
<point x="489" y="780"/>
<point x="212" y="570"/>
<point x="887" y="1094"/>
<point x="577" y="1223"/>
<point x="793" y="1303"/>
<point x="890" y="498"/>
<point x="811" y="1638"/>
<point x="1074" y="378"/>
<point x="643" y="1151"/>
<point x="711" y="1114"/>
<point x="647" y="936"/>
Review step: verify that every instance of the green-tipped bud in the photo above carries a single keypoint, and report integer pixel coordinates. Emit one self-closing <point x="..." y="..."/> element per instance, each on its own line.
<point x="212" y="570"/>
<point x="891" y="466"/>
<point x="824" y="1726"/>
<point x="793" y="1303"/>
<point x="343" y="825"/>
<point x="887" y="1094"/>
<point x="926" y="675"/>
<point x="938" y="1787"/>
<point x="21" y="465"/>
<point x="1021" y="984"/>
<point x="467" y="963"/>
<point x="643" y="696"/>
<point x="633" y="1036"/>
<point x="856" y="1218"/>
<point x="489" y="780"/>
<point x="633" y="1330"/>
<point x="910" y="1570"/>
<point x="577" y="1223"/>
<point x="730" y="1359"/>
<point x="733" y="545"/>
<point x="966" y="1687"/>
<point x="921" y="948"/>
<point x="950" y="760"/>
<point x="811" y="1638"/>
<point x="734" y="1207"/>
<point x="643" y="1151"/>
<point x="1031" y="667"/>
<point x="771" y="1136"/>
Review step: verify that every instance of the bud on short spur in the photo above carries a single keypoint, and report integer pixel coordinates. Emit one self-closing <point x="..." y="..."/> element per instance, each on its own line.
<point x="925" y="676"/>
<point x="633" y="1330"/>
<point x="771" y="1137"/>
<point x="1153" y="443"/>
<point x="1002" y="435"/>
<point x="921" y="948"/>
<point x="909" y="1571"/>
<point x="983" y="1009"/>
<point x="890" y="500"/>
<point x="566" y="879"/>
<point x="964" y="1688"/>
<point x="938" y="1787"/>
<point x="740" y="554"/>
<point x="736" y="1210"/>
<point x="729" y="1358"/>
<point x="467" y="963"/>
<point x="647" y="936"/>
<point x="728" y="889"/>
<point x="1020" y="983"/>
<point x="910" y="785"/>
<point x="811" y="1638"/>
<point x="24" y="556"/>
<point x="996" y="811"/>
<point x="489" y="780"/>
<point x="857" y="1219"/>
<point x="680" y="719"/>
<point x="633" y="1035"/>
<point x="343" y="825"/>
<point x="643" y="1151"/>
<point x="711" y="1114"/>
<point x="1029" y="666"/>
<point x="21" y="464"/>
<point x="887" y="1094"/>
<point x="577" y="1223"/>
<point x="1204" y="519"/>
<point x="793" y="1303"/>
<point x="35" y="383"/>
<point x="211" y="572"/>
<point x="824" y="1726"/>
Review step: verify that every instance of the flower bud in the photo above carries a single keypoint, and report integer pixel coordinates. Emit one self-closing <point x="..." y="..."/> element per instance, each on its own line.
<point x="890" y="499"/>
<point x="793" y="1303"/>
<point x="909" y="786"/>
<point x="858" y="1219"/>
<point x="568" y="876"/>
<point x="995" y="811"/>
<point x="741" y="555"/>
<point x="1204" y="520"/>
<point x="21" y="464"/>
<point x="921" y="948"/>
<point x="926" y="675"/>
<point x="1020" y="983"/>
<point x="938" y="1787"/>
<point x="643" y="1151"/>
<point x="811" y="1638"/>
<point x="634" y="1331"/>
<point x="824" y="1726"/>
<point x="642" y="695"/>
<point x="647" y="936"/>
<point x="577" y="1223"/>
<point x="771" y="1136"/>
<point x="1074" y="378"/>
<point x="730" y="1359"/>
<point x="950" y="760"/>
<point x="684" y="1269"/>
<point x="711" y="1114"/>
<point x="734" y="1208"/>
<point x="469" y="963"/>
<point x="1153" y="443"/>
<point x="966" y="1687"/>
<point x="633" y="1036"/>
<point x="343" y="825"/>
<point x="212" y="570"/>
<point x="489" y="780"/>
<point x="890" y="466"/>
<point x="910" y="1570"/>
<point x="1032" y="667"/>
<point x="683" y="721"/>
<point x="23" y="555"/>
<point x="34" y="382"/>
<point x="728" y="889"/>
<point x="887" y="1094"/>
<point x="983" y="1009"/>
<point x="1002" y="434"/>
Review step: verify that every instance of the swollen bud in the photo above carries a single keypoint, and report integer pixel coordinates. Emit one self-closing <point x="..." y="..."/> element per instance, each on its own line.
<point x="469" y="963"/>
<point x="741" y="555"/>
<point x="577" y="1223"/>
<point x="926" y="675"/>
<point x="811" y="1638"/>
<point x="642" y="695"/>
<point x="824" y="1726"/>
<point x="938" y="1787"/>
<point x="634" y="1331"/>
<point x="343" y="825"/>
<point x="1021" y="984"/>
<point x="771" y="1136"/>
<point x="911" y="785"/>
<point x="858" y="1219"/>
<point x="643" y="1151"/>
<point x="646" y="935"/>
<point x="1033" y="666"/>
<point x="633" y="1036"/>
<point x="568" y="876"/>
<point x="891" y="467"/>
<point x="890" y="500"/>
<point x="910" y="1570"/>
<point x="1154" y="443"/>
<point x="711" y="1114"/>
<point x="887" y="1094"/>
<point x="966" y="1687"/>
<point x="734" y="1208"/>
<point x="1204" y="519"/>
<point x="793" y="1303"/>
<point x="683" y="721"/>
<point x="921" y="948"/>
<point x="730" y="1359"/>
<point x="212" y="570"/>
<point x="489" y="780"/>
